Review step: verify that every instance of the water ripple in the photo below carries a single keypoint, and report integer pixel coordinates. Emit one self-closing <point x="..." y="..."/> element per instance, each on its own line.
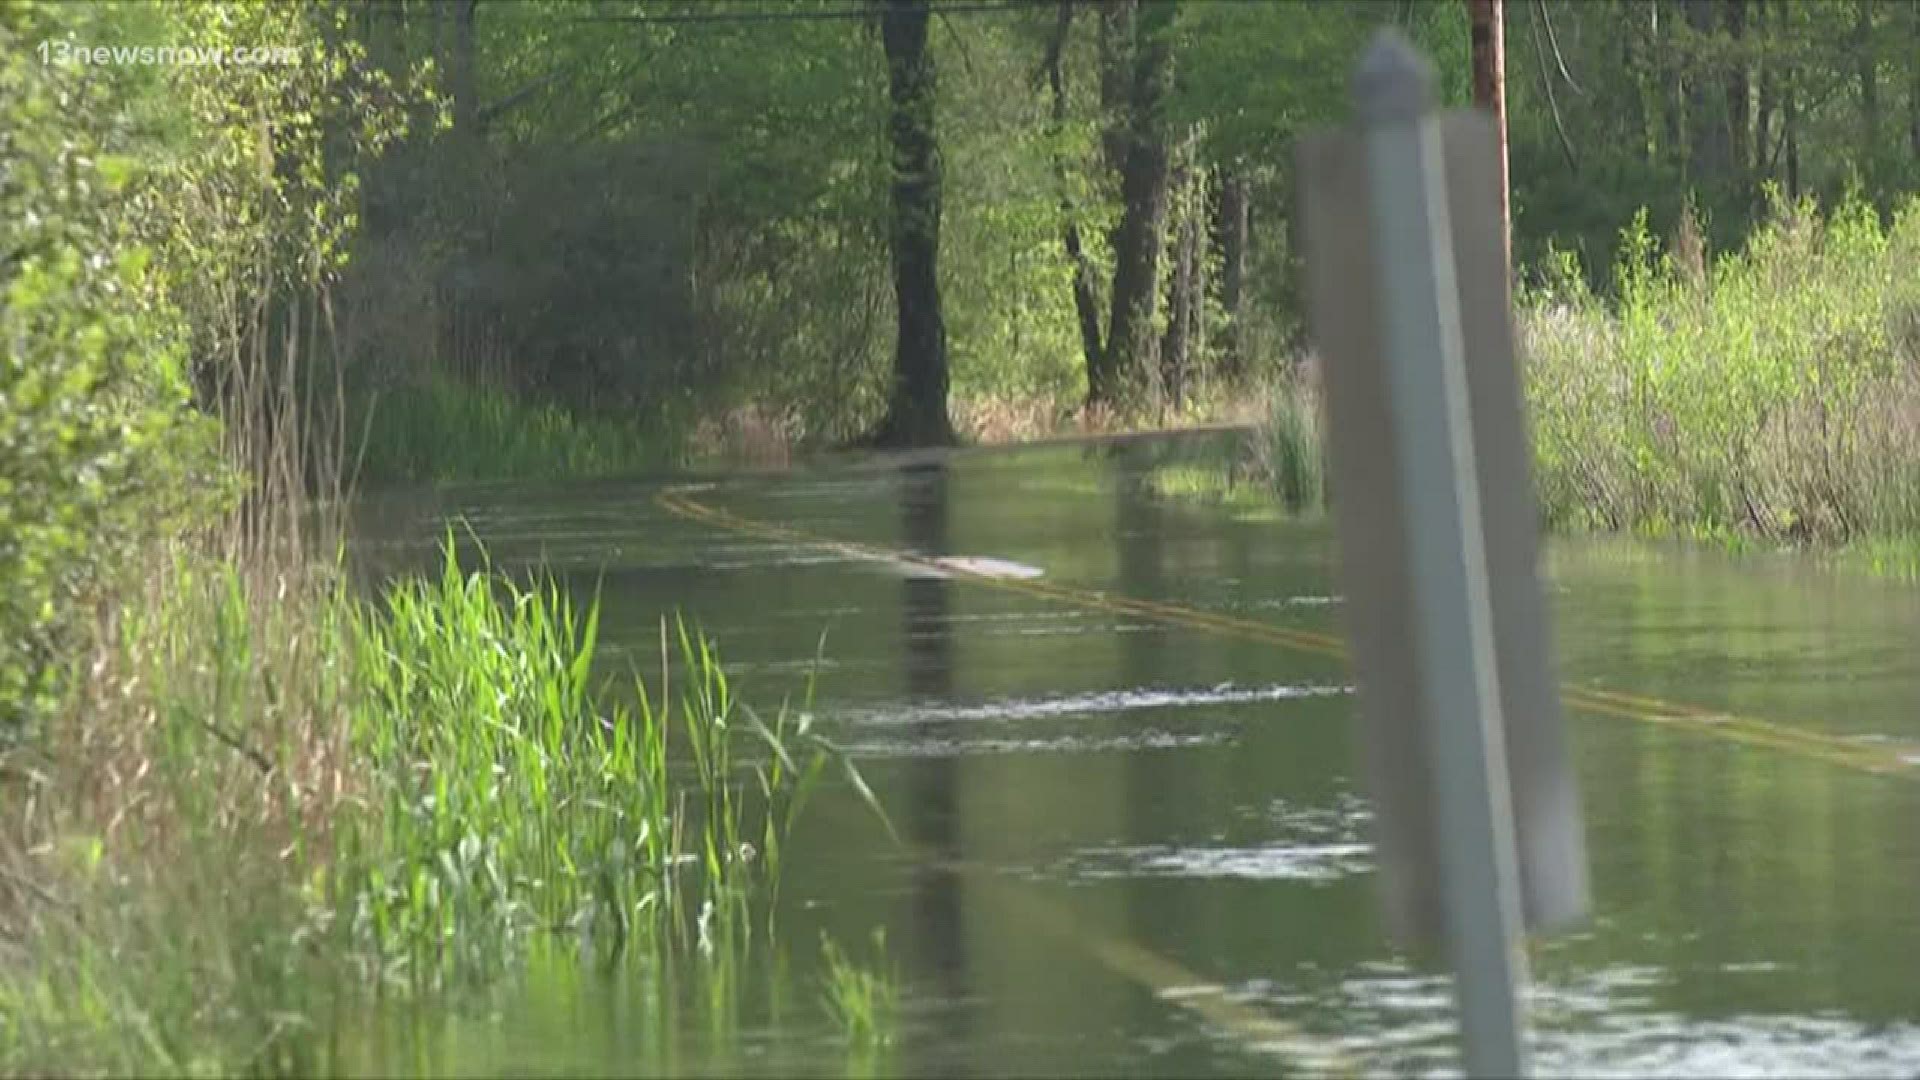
<point x="1096" y="703"/>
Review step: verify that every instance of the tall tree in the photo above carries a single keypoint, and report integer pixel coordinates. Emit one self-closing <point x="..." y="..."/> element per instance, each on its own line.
<point x="1866" y="71"/>
<point x="1913" y="79"/>
<point x="1230" y="239"/>
<point x="1086" y="303"/>
<point x="1489" y="43"/>
<point x="1709" y="154"/>
<point x="1766" y="92"/>
<point x="461" y="81"/>
<point x="1739" y="92"/>
<point x="917" y="403"/>
<point x="1187" y="193"/>
<point x="1142" y="139"/>
<point x="1790" y="117"/>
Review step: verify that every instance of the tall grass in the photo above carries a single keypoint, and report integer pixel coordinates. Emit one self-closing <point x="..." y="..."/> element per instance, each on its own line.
<point x="1281" y="460"/>
<point x="272" y="801"/>
<point x="861" y="999"/>
<point x="1288" y="451"/>
<point x="1770" y="394"/>
<point x="439" y="428"/>
<point x="1013" y="418"/>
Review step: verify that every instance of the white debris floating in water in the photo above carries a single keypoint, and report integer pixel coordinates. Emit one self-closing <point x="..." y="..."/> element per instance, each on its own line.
<point x="987" y="566"/>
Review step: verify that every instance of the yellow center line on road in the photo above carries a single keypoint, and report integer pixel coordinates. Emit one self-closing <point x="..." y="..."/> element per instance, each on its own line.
<point x="1165" y="977"/>
<point x="1176" y="984"/>
<point x="1836" y="750"/>
<point x="1160" y="975"/>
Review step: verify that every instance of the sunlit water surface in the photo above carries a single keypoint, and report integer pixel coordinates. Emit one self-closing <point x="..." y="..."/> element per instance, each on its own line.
<point x="1123" y="837"/>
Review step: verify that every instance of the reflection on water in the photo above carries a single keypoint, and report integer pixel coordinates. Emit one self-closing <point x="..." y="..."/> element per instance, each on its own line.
<point x="1081" y="705"/>
<point x="1307" y="843"/>
<point x="931" y="804"/>
<point x="1108" y="819"/>
<point x="1272" y="862"/>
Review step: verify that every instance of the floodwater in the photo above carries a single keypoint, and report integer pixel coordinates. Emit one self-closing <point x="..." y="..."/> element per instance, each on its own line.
<point x="1133" y="839"/>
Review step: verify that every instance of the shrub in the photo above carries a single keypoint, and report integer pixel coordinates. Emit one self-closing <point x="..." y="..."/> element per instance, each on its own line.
<point x="271" y="798"/>
<point x="1773" y="395"/>
<point x="97" y="446"/>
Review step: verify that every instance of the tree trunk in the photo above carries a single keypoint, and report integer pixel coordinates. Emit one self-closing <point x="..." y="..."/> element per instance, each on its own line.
<point x="436" y="33"/>
<point x="1913" y="83"/>
<point x="1231" y="241"/>
<point x="1086" y="304"/>
<point x="1676" y="86"/>
<point x="1186" y="186"/>
<point x="1131" y="344"/>
<point x="1765" y="79"/>
<point x="1868" y="75"/>
<point x="461" y="83"/>
<point x="1739" y="91"/>
<point x="1487" y="21"/>
<point x="1708" y="157"/>
<point x="1777" y="91"/>
<point x="1790" y="133"/>
<point x="917" y="405"/>
<point x="1117" y="48"/>
<point x="1640" y="54"/>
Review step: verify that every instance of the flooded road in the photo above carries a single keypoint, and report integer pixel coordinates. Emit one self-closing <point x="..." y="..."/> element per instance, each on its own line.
<point x="1116" y="737"/>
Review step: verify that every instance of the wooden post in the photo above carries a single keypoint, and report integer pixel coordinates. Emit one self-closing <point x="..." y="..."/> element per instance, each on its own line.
<point x="1488" y="20"/>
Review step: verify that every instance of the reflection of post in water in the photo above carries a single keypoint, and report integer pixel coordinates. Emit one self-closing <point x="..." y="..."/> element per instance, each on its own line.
<point x="1139" y="548"/>
<point x="1156" y="797"/>
<point x="928" y="630"/>
<point x="932" y="813"/>
<point x="1140" y="783"/>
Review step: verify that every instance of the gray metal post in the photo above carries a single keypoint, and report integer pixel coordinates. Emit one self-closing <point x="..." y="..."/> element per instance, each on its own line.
<point x="1447" y="602"/>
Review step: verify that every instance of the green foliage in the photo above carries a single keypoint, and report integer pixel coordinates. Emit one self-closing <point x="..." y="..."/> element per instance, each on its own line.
<point x="506" y="801"/>
<point x="153" y="218"/>
<point x="97" y="450"/>
<point x="1618" y="105"/>
<point x="1773" y="395"/>
<point x="1258" y="75"/>
<point x="647" y="212"/>
<point x="1006" y="286"/>
<point x="439" y="428"/>
<point x="292" y="799"/>
<point x="251" y="166"/>
<point x="1770" y="395"/>
<point x="1289" y="450"/>
<point x="661" y="221"/>
<point x="1280" y="463"/>
<point x="861" y="999"/>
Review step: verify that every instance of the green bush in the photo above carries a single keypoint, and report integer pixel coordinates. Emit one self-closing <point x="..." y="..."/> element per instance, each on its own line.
<point x="1771" y="393"/>
<point x="98" y="449"/>
<point x="273" y="800"/>
<point x="149" y="262"/>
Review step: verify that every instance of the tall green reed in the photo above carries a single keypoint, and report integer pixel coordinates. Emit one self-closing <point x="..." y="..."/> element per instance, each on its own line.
<point x="512" y="801"/>
<point x="863" y="1000"/>
<point x="439" y="428"/>
<point x="1288" y="450"/>
<point x="275" y="798"/>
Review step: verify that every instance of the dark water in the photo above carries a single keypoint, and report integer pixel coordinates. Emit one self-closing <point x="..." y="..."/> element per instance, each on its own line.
<point x="1139" y="847"/>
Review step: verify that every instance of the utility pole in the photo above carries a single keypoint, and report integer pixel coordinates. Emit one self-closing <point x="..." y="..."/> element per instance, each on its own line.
<point x="1490" y="93"/>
